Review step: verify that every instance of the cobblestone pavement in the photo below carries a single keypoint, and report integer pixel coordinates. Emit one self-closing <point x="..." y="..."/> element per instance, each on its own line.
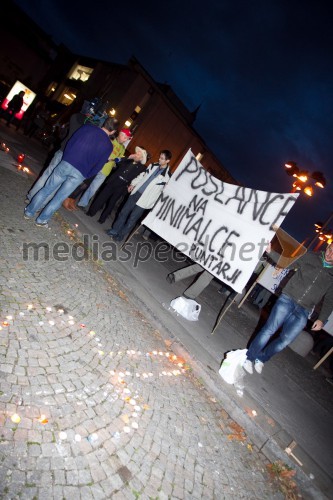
<point x="93" y="404"/>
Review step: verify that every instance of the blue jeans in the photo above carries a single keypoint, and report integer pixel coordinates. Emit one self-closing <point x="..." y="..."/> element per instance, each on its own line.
<point x="91" y="190"/>
<point x="64" y="179"/>
<point x="129" y="216"/>
<point x="285" y="312"/>
<point x="45" y="175"/>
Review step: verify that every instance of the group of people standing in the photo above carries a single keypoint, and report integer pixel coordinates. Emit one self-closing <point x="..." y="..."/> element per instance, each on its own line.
<point x="84" y="162"/>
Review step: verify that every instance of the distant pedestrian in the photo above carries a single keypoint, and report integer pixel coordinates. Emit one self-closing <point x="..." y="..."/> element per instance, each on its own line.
<point x="14" y="106"/>
<point x="85" y="154"/>
<point x="117" y="183"/>
<point x="311" y="283"/>
<point x="145" y="190"/>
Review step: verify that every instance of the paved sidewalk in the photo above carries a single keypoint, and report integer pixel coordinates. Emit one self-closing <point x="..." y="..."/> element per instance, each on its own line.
<point x="93" y="402"/>
<point x="284" y="403"/>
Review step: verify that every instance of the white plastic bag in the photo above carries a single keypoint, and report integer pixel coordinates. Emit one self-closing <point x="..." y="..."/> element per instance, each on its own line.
<point x="231" y="369"/>
<point x="188" y="308"/>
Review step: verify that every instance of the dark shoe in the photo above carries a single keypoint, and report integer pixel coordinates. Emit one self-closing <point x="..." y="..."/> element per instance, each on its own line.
<point x="101" y="221"/>
<point x="170" y="278"/>
<point x="111" y="232"/>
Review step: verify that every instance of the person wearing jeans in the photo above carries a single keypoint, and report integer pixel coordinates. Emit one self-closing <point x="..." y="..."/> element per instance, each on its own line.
<point x="85" y="154"/>
<point x="76" y="121"/>
<point x="311" y="284"/>
<point x="41" y="181"/>
<point x="127" y="218"/>
<point x="64" y="179"/>
<point x="285" y="312"/>
<point x="145" y="190"/>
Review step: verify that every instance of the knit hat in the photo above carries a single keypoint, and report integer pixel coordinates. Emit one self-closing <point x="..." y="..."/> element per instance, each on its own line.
<point x="127" y="132"/>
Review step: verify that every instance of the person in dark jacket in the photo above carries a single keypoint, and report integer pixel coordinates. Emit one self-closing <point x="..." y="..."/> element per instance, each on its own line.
<point x="84" y="156"/>
<point x="76" y="121"/>
<point x="116" y="185"/>
<point x="14" y="106"/>
<point x="311" y="283"/>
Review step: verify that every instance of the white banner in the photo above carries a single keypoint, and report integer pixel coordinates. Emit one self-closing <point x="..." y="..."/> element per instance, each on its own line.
<point x="223" y="227"/>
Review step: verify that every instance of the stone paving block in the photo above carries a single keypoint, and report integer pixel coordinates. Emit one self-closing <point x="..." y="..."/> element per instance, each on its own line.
<point x="97" y="492"/>
<point x="72" y="477"/>
<point x="85" y="492"/>
<point x="57" y="492"/>
<point x="97" y="474"/>
<point x="59" y="476"/>
<point x="84" y="477"/>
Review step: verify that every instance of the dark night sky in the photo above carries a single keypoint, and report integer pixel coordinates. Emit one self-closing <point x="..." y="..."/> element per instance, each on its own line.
<point x="262" y="71"/>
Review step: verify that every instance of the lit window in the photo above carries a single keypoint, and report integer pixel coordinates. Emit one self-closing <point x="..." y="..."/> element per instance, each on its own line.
<point x="128" y="123"/>
<point x="67" y="96"/>
<point x="51" y="88"/>
<point x="81" y="73"/>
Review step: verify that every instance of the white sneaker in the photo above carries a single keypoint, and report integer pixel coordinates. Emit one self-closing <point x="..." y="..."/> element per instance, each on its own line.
<point x="258" y="366"/>
<point x="247" y="365"/>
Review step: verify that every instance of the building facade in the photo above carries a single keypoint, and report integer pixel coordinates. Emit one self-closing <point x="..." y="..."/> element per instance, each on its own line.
<point x="153" y="112"/>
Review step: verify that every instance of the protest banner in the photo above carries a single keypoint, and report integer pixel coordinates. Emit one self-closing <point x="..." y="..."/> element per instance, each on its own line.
<point x="223" y="227"/>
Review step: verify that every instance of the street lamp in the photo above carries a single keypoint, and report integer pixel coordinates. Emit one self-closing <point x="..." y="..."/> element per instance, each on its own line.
<point x="323" y="233"/>
<point x="304" y="179"/>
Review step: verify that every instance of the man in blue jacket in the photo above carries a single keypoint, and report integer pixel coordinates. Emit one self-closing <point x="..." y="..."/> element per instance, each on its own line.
<point x="85" y="155"/>
<point x="311" y="283"/>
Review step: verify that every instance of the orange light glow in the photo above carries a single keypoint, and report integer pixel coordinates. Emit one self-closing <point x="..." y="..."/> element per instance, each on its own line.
<point x="42" y="420"/>
<point x="308" y="190"/>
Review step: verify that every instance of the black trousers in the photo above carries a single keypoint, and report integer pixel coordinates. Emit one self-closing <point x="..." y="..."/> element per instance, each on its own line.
<point x="113" y="190"/>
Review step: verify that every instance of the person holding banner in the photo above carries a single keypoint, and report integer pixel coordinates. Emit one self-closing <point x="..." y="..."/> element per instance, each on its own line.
<point x="144" y="191"/>
<point x="311" y="283"/>
<point x="116" y="186"/>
